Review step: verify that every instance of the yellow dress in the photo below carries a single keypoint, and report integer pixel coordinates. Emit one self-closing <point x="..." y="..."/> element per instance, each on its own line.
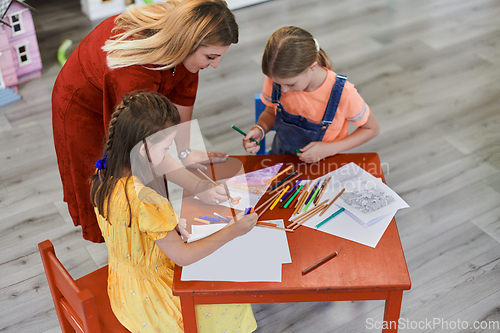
<point x="140" y="274"/>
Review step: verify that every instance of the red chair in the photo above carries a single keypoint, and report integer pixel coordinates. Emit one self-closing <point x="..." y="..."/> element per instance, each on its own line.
<point x="82" y="305"/>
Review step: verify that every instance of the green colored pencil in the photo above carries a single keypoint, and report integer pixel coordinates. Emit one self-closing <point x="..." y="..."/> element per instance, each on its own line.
<point x="244" y="134"/>
<point x="330" y="217"/>
<point x="312" y="198"/>
<point x="293" y="196"/>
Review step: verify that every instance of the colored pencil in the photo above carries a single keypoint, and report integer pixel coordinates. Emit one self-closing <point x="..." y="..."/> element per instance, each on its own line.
<point x="211" y="219"/>
<point x="312" y="192"/>
<point x="283" y="180"/>
<point x="279" y="174"/>
<point x="294" y="201"/>
<point x="312" y="199"/>
<point x="293" y="196"/>
<point x="318" y="198"/>
<point x="267" y="223"/>
<point x="306" y="187"/>
<point x="333" y="200"/>
<point x="222" y="217"/>
<point x="279" y="197"/>
<point x="288" y="182"/>
<point x="319" y="263"/>
<point x="302" y="201"/>
<point x="330" y="217"/>
<point x="267" y="207"/>
<point x="244" y="134"/>
<point x="291" y="190"/>
<point x="275" y="227"/>
<point x="306" y="216"/>
<point x="267" y="201"/>
<point x="201" y="220"/>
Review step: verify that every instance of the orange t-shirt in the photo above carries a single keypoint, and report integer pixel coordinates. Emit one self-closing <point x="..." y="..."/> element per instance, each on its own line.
<point x="312" y="105"/>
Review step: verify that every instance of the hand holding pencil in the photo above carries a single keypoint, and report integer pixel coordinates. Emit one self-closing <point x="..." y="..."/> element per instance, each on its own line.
<point x="251" y="141"/>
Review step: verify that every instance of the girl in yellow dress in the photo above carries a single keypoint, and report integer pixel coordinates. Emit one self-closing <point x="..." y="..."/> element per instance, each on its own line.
<point x="142" y="231"/>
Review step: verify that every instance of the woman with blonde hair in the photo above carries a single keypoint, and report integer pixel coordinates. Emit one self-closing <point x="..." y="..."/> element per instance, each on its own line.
<point x="160" y="48"/>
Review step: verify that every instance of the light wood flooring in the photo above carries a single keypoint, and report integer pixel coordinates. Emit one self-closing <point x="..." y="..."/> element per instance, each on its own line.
<point x="430" y="72"/>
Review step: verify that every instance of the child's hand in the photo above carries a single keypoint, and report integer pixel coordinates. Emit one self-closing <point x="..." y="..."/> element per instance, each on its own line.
<point x="316" y="151"/>
<point x="250" y="146"/>
<point x="242" y="224"/>
<point x="182" y="224"/>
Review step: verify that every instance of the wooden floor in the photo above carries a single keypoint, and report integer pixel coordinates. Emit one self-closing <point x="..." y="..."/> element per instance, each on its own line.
<point x="430" y="72"/>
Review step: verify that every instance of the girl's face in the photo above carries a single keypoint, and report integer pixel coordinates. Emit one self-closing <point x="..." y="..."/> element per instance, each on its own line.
<point x="203" y="57"/>
<point x="300" y="82"/>
<point x="159" y="150"/>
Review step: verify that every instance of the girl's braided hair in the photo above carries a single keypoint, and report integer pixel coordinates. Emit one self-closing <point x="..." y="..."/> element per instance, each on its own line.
<point x="139" y="115"/>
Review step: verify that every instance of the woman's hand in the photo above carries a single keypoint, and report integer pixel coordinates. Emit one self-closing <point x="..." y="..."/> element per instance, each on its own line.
<point x="197" y="158"/>
<point x="210" y="194"/>
<point x="242" y="224"/>
<point x="250" y="146"/>
<point x="316" y="151"/>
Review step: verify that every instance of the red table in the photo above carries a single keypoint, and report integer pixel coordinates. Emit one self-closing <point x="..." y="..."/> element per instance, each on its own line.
<point x="358" y="273"/>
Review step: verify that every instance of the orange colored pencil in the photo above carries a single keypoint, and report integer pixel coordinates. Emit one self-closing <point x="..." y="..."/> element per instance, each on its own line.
<point x="279" y="174"/>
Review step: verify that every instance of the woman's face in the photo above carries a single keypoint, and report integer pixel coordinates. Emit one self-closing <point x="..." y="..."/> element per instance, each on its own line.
<point x="203" y="57"/>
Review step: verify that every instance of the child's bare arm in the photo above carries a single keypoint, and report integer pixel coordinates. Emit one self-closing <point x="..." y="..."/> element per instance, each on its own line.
<point x="316" y="151"/>
<point x="184" y="254"/>
<point x="266" y="121"/>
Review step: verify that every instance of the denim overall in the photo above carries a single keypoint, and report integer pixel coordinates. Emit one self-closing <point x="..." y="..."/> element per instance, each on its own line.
<point x="295" y="131"/>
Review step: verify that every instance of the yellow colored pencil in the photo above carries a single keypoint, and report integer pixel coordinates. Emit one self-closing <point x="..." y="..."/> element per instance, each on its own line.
<point x="279" y="197"/>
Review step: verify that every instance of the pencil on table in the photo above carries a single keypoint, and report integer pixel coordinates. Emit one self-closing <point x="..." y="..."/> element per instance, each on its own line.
<point x="323" y="189"/>
<point x="303" y="200"/>
<point x="201" y="220"/>
<point x="306" y="187"/>
<point x="268" y="205"/>
<point x="312" y="198"/>
<point x="291" y="190"/>
<point x="274" y="227"/>
<point x="298" y="220"/>
<point x="277" y="189"/>
<point x="279" y="197"/>
<point x="267" y="201"/>
<point x="333" y="200"/>
<point x="293" y="196"/>
<point x="283" y="180"/>
<point x="319" y="263"/>
<point x="296" y="199"/>
<point x="279" y="174"/>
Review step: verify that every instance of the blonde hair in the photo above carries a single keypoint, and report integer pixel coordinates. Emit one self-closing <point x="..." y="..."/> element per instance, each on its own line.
<point x="290" y="51"/>
<point x="166" y="33"/>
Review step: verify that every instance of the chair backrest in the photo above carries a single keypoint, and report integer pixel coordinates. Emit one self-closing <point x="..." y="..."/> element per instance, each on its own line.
<point x="259" y="108"/>
<point x="75" y="308"/>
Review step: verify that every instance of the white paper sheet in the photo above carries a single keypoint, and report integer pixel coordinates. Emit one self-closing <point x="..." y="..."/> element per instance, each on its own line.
<point x="366" y="196"/>
<point x="256" y="257"/>
<point x="343" y="225"/>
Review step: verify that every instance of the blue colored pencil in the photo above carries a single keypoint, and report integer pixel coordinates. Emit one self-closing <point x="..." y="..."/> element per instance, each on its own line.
<point x="291" y="190"/>
<point x="222" y="217"/>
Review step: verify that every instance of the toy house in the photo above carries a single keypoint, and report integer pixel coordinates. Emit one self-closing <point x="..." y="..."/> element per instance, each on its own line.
<point x="20" y="58"/>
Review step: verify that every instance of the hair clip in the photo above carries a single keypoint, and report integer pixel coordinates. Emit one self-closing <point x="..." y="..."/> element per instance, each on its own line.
<point x="101" y="163"/>
<point x="317" y="44"/>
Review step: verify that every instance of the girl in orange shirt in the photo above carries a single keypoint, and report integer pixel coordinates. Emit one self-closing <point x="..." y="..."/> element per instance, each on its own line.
<point x="308" y="105"/>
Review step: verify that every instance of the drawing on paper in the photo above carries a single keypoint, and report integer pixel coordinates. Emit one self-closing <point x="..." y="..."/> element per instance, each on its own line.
<point x="254" y="182"/>
<point x="366" y="197"/>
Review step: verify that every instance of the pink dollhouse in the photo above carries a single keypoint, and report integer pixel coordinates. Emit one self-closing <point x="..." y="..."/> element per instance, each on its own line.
<point x="20" y="59"/>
